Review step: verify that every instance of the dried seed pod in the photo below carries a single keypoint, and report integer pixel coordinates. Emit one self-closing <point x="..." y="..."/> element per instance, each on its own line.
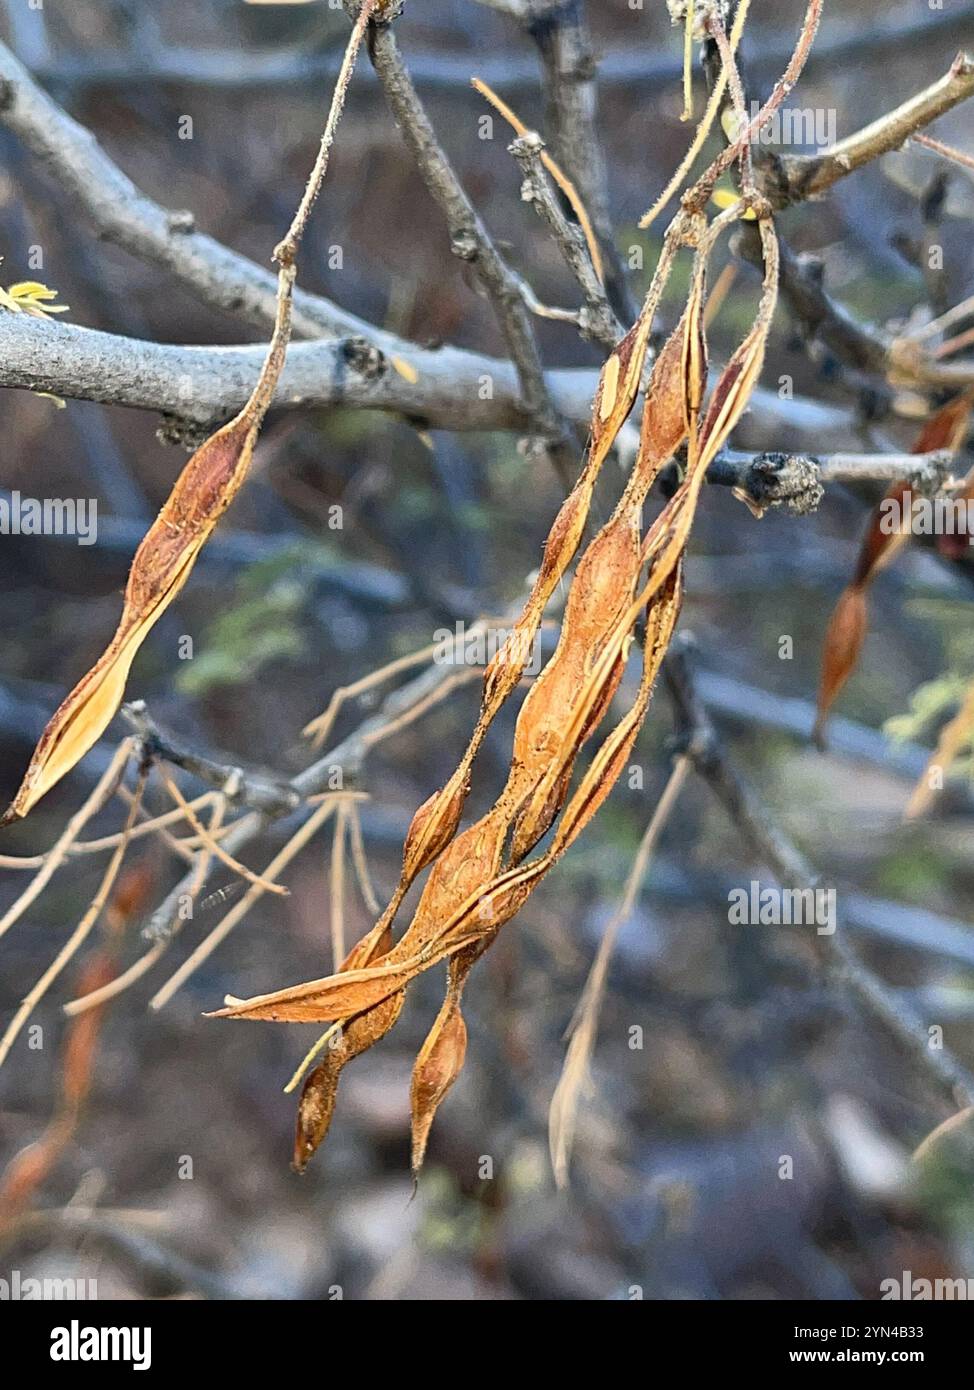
<point x="849" y="622"/>
<point x="161" y="566"/>
<point x="470" y="893"/>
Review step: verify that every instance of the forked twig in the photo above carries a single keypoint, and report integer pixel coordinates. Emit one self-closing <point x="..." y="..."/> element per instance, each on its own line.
<point x="237" y="913"/>
<point x="213" y="846"/>
<point x="147" y="960"/>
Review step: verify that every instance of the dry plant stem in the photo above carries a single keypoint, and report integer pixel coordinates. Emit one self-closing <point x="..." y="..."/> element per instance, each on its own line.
<point x="320" y="727"/>
<point x="236" y="914"/>
<point x="212" y="845"/>
<point x="81" y="932"/>
<point x="315" y="1050"/>
<point x="420" y="707"/>
<point x="809" y="176"/>
<point x="687" y="113"/>
<point x="547" y="311"/>
<point x="703" y="129"/>
<point x="60" y="850"/>
<point x="360" y="860"/>
<point x="22" y="861"/>
<point x="719" y="292"/>
<point x="171" y="841"/>
<point x="936" y="326"/>
<point x="148" y="827"/>
<point x="147" y="960"/>
<point x="946" y="151"/>
<point x="287" y="249"/>
<point x="119" y="985"/>
<point x="470" y="240"/>
<point x="955" y="344"/>
<point x="336" y="887"/>
<point x="583" y="1028"/>
<point x="770" y="845"/>
<point x="952" y="345"/>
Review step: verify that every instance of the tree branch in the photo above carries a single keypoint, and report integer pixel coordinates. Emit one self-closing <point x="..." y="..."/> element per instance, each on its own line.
<point x="598" y="320"/>
<point x="771" y="479"/>
<point x="205" y="384"/>
<point x="202" y="385"/>
<point x="769" y="843"/>
<point x="471" y="242"/>
<point x="809" y="176"/>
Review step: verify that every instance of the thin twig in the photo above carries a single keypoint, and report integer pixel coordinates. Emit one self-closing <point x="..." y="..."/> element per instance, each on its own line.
<point x="80" y="934"/>
<point x="946" y="151"/>
<point x="287" y="248"/>
<point x="336" y="887"/>
<point x="471" y="242"/>
<point x="320" y="727"/>
<point x="563" y="182"/>
<point x="59" y="851"/>
<point x="360" y="860"/>
<point x="583" y="1028"/>
<point x="147" y="960"/>
<point x="236" y="914"/>
<point x="212" y="845"/>
<point x="600" y="322"/>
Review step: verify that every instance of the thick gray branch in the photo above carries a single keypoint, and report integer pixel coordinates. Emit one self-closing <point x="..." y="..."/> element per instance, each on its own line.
<point x="454" y="389"/>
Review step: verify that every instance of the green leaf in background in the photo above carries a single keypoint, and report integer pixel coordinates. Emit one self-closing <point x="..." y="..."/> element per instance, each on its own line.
<point x="262" y="625"/>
